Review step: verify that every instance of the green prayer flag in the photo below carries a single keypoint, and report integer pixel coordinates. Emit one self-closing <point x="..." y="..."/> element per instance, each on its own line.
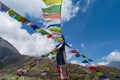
<point x="77" y="55"/>
<point x="11" y="73"/>
<point x="43" y="32"/>
<point x="41" y="79"/>
<point x="52" y="9"/>
<point x="18" y="17"/>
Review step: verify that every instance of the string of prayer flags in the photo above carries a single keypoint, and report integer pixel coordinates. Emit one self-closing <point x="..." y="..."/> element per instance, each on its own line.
<point x="52" y="16"/>
<point x="90" y="64"/>
<point x="73" y="51"/>
<point x="46" y="69"/>
<point x="21" y="19"/>
<point x="53" y="52"/>
<point x="100" y="74"/>
<point x="21" y="71"/>
<point x="109" y="71"/>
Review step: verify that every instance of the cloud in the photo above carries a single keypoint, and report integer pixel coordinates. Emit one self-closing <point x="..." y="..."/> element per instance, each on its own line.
<point x="86" y="6"/>
<point x="27" y="44"/>
<point x="69" y="10"/>
<point x="103" y="63"/>
<point x="112" y="57"/>
<point x="30" y="7"/>
<point x="33" y="8"/>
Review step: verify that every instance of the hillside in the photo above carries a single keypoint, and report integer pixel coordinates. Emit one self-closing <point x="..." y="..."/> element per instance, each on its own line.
<point x="11" y="59"/>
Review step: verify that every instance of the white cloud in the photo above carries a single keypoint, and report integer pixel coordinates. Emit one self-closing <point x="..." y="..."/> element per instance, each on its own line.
<point x="87" y="5"/>
<point x="69" y="10"/>
<point x="30" y="7"/>
<point x="113" y="56"/>
<point x="33" y="8"/>
<point x="74" y="62"/>
<point x="34" y="44"/>
<point x="102" y="63"/>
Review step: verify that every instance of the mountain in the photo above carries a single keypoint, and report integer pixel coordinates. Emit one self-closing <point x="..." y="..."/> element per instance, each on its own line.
<point x="9" y="55"/>
<point x="115" y="64"/>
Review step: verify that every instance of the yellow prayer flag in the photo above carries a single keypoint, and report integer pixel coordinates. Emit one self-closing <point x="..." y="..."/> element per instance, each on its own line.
<point x="49" y="2"/>
<point x="46" y="68"/>
<point x="54" y="52"/>
<point x="56" y="29"/>
<point x="99" y="73"/>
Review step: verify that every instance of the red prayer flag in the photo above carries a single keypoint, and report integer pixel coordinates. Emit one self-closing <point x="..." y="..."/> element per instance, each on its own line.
<point x="22" y="72"/>
<point x="49" y="36"/>
<point x="92" y="68"/>
<point x="101" y="67"/>
<point x="74" y="51"/>
<point x="54" y="16"/>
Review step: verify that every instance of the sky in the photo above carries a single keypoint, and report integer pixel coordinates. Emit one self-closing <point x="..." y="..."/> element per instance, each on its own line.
<point x="91" y="26"/>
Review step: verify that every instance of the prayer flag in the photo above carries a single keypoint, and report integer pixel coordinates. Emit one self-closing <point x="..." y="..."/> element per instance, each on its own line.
<point x="49" y="2"/>
<point x="53" y="16"/>
<point x="52" y="9"/>
<point x="85" y="61"/>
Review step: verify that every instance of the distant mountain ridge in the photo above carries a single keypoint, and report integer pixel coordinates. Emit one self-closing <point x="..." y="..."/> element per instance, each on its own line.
<point x="7" y="45"/>
<point x="115" y="64"/>
<point x="9" y="54"/>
